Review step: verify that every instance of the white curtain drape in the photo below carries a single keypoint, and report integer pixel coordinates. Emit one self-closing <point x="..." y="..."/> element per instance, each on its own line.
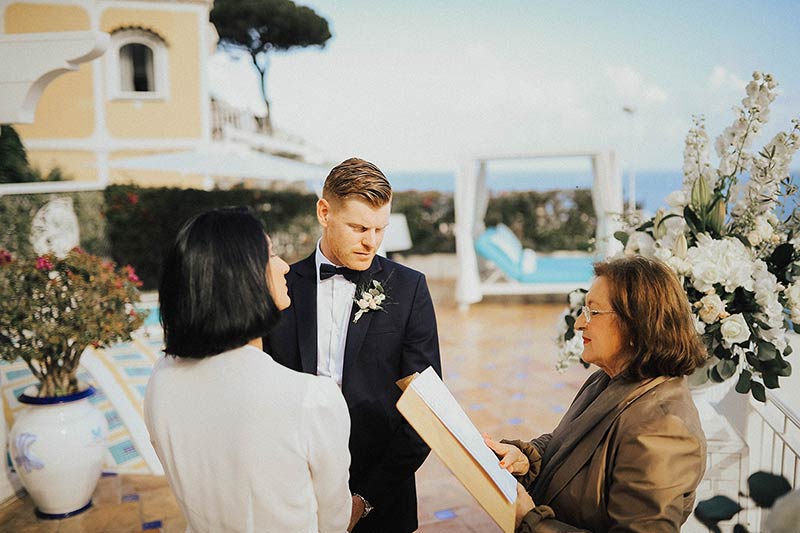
<point x="126" y="68"/>
<point x="471" y="202"/>
<point x="607" y="202"/>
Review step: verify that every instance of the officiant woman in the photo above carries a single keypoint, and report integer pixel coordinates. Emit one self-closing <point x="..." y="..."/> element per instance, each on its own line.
<point x="630" y="451"/>
<point x="246" y="444"/>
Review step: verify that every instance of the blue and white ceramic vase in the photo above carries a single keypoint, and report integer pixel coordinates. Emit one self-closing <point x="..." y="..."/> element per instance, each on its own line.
<point x="58" y="446"/>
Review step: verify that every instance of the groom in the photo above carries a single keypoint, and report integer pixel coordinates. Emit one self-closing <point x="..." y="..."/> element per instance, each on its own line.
<point x="326" y="332"/>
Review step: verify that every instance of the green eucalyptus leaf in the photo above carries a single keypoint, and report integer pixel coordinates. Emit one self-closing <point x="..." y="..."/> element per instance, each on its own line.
<point x="765" y="488"/>
<point x="714" y="510"/>
<point x="622" y="237"/>
<point x="726" y="368"/>
<point x="766" y="351"/>
<point x="770" y="380"/>
<point x="758" y="392"/>
<point x="743" y="385"/>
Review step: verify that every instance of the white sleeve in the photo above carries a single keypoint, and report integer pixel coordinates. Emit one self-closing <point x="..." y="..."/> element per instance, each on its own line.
<point x="328" y="433"/>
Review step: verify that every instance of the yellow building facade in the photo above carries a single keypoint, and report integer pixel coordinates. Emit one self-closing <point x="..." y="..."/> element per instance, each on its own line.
<point x="147" y="94"/>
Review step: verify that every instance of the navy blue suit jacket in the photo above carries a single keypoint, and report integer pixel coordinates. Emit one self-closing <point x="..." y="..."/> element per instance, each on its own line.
<point x="382" y="347"/>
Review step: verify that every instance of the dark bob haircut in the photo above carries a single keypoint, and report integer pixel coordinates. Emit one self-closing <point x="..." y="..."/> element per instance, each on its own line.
<point x="655" y="316"/>
<point x="213" y="292"/>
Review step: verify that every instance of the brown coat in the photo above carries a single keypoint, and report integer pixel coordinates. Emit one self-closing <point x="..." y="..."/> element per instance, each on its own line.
<point x="635" y="456"/>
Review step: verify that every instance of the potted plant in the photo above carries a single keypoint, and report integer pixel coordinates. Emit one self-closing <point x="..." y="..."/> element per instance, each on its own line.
<point x="734" y="245"/>
<point x="51" y="309"/>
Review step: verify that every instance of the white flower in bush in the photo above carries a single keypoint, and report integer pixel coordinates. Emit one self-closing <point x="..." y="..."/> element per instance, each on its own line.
<point x="710" y="307"/>
<point x="720" y="261"/>
<point x="734" y="330"/>
<point x="722" y="237"/>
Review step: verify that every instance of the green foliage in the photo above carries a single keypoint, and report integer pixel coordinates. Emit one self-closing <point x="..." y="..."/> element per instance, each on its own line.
<point x="764" y="489"/>
<point x="52" y="308"/>
<point x="143" y="221"/>
<point x="14" y="166"/>
<point x="17" y="212"/>
<point x="431" y="220"/>
<point x="547" y="221"/>
<point x="259" y="26"/>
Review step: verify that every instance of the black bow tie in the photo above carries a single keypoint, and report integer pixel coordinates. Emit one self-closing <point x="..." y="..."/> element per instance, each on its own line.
<point x="327" y="270"/>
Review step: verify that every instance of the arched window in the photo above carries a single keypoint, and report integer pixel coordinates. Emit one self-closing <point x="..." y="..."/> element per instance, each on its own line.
<point x="137" y="65"/>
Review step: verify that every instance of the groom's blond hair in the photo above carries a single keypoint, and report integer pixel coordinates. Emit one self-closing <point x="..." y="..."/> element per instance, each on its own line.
<point x="357" y="178"/>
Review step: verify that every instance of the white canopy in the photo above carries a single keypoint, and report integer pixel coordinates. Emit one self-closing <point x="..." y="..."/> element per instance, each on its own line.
<point x="227" y="160"/>
<point x="472" y="200"/>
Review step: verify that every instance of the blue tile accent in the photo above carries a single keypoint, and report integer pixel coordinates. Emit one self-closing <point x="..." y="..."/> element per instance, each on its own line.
<point x="123" y="451"/>
<point x="485" y="385"/>
<point x="559" y="385"/>
<point x="445" y="514"/>
<point x="517" y="396"/>
<point x="477" y="406"/>
<point x="142" y="389"/>
<point x="138" y="371"/>
<point x="128" y="357"/>
<point x="113" y="420"/>
<point x="15" y="374"/>
<point x="155" y="524"/>
<point x="490" y="366"/>
<point x="515" y="421"/>
<point x="557" y="408"/>
<point x="130" y="498"/>
<point x="521" y="375"/>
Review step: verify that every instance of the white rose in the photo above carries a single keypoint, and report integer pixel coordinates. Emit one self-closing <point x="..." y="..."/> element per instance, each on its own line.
<point x="764" y="228"/>
<point x="785" y="514"/>
<point x="793" y="294"/>
<point x="734" y="330"/>
<point x="711" y="307"/>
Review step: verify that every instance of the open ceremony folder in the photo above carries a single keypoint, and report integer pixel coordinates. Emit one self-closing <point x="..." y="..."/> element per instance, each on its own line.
<point x="434" y="413"/>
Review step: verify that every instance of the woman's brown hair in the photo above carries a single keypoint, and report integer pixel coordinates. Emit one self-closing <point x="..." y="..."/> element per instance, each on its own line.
<point x="655" y="315"/>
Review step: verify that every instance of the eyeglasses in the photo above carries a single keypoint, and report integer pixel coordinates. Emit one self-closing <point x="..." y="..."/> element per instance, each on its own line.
<point x="589" y="313"/>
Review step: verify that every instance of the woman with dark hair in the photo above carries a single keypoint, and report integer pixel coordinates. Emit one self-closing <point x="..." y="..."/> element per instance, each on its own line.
<point x="246" y="444"/>
<point x="630" y="451"/>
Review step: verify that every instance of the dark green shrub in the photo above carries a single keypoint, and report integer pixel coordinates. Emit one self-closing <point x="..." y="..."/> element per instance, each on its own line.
<point x="547" y="221"/>
<point x="143" y="221"/>
<point x="431" y="220"/>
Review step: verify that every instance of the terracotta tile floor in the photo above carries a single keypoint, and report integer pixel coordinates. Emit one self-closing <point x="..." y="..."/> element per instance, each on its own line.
<point x="498" y="360"/>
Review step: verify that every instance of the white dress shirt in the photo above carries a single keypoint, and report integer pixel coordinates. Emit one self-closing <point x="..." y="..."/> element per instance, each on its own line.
<point x="249" y="445"/>
<point x="334" y="303"/>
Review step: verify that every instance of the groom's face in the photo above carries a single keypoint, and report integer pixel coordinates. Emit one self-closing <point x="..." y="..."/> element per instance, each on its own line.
<point x="352" y="230"/>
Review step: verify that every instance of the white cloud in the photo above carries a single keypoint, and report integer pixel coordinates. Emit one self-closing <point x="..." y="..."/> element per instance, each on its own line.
<point x="722" y="78"/>
<point x="632" y="88"/>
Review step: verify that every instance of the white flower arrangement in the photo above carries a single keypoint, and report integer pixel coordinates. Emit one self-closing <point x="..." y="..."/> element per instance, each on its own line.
<point x="371" y="300"/>
<point x="735" y="250"/>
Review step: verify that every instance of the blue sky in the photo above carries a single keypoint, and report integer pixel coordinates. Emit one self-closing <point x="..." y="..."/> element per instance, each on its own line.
<point x="418" y="85"/>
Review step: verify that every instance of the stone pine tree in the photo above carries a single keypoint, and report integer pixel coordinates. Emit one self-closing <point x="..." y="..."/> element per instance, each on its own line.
<point x="14" y="166"/>
<point x="260" y="26"/>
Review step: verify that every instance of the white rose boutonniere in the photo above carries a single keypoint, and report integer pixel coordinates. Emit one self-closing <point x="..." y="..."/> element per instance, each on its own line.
<point x="371" y="299"/>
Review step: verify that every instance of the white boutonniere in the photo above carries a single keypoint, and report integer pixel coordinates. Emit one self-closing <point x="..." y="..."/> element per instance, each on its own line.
<point x="371" y="299"/>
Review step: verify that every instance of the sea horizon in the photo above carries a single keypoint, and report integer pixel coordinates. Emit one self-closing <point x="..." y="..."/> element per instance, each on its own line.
<point x="652" y="186"/>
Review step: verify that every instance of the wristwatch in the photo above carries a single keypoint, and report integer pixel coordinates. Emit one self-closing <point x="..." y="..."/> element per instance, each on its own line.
<point x="367" y="506"/>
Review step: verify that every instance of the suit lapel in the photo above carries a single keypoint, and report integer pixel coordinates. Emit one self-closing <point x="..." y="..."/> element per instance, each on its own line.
<point x="358" y="330"/>
<point x="590" y="434"/>
<point x="304" y="300"/>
